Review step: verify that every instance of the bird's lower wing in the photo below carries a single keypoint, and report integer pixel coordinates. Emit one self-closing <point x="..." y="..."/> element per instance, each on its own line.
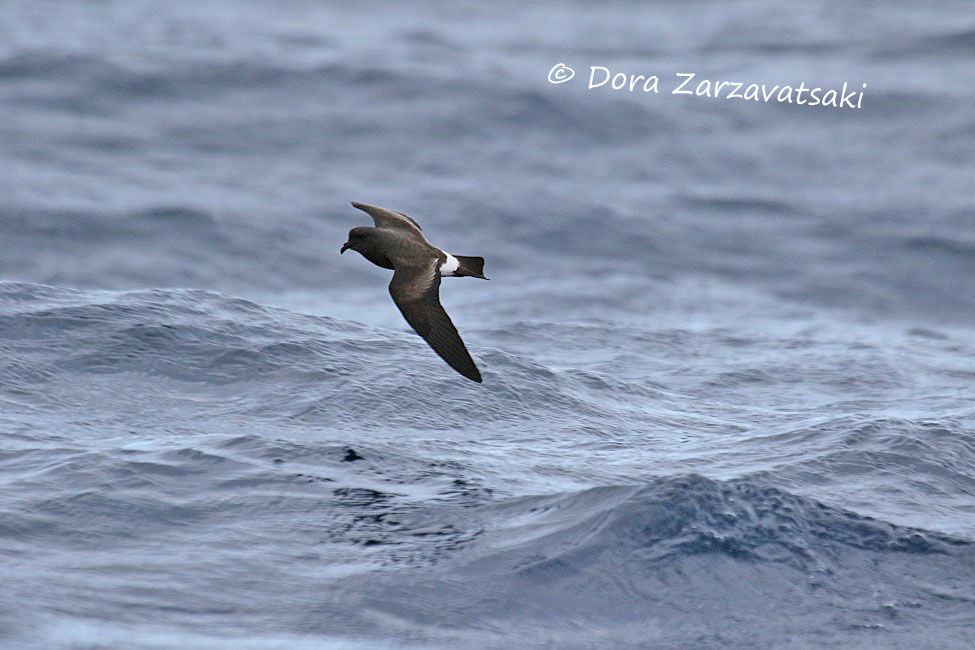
<point x="417" y="294"/>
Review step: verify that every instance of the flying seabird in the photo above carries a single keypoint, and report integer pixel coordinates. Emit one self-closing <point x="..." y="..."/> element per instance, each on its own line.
<point x="397" y="243"/>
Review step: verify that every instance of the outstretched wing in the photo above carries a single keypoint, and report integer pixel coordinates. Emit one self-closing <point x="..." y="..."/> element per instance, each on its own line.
<point x="416" y="291"/>
<point x="388" y="219"/>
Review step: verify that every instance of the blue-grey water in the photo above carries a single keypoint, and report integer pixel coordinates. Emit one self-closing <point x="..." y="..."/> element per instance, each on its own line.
<point x="728" y="356"/>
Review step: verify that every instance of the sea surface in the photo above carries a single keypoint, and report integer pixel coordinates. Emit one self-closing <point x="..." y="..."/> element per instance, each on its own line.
<point x="727" y="345"/>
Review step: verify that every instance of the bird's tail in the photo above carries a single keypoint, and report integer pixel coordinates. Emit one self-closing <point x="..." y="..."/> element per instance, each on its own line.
<point x="471" y="266"/>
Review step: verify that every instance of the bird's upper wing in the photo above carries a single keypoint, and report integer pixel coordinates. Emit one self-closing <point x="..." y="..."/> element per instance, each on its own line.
<point x="388" y="219"/>
<point x="416" y="291"/>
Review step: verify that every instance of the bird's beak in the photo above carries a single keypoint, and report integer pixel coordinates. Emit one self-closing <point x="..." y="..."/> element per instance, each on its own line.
<point x="346" y="246"/>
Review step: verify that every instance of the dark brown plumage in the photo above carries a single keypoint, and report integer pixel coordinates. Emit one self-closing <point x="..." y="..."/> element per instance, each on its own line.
<point x="397" y="243"/>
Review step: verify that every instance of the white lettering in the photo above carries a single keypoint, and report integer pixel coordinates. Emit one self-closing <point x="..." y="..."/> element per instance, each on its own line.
<point x="600" y="76"/>
<point x="592" y="76"/>
<point x="678" y="91"/>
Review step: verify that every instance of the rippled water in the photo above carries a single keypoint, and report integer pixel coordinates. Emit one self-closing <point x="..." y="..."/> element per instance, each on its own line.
<point x="727" y="349"/>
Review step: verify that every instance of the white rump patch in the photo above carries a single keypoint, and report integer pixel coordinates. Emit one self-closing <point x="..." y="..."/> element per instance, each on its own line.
<point x="451" y="265"/>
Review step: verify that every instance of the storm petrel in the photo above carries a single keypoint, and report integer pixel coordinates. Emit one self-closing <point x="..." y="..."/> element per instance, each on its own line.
<point x="397" y="243"/>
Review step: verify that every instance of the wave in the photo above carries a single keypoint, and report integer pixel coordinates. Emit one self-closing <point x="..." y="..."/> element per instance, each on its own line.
<point x="963" y="250"/>
<point x="310" y="369"/>
<point x="610" y="563"/>
<point x="84" y="84"/>
<point x="947" y="42"/>
<point x="691" y="515"/>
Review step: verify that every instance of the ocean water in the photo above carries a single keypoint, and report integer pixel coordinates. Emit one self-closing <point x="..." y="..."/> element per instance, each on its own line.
<point x="728" y="357"/>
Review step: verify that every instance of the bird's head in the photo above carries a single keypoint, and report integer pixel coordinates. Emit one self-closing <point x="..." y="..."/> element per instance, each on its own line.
<point x="356" y="237"/>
